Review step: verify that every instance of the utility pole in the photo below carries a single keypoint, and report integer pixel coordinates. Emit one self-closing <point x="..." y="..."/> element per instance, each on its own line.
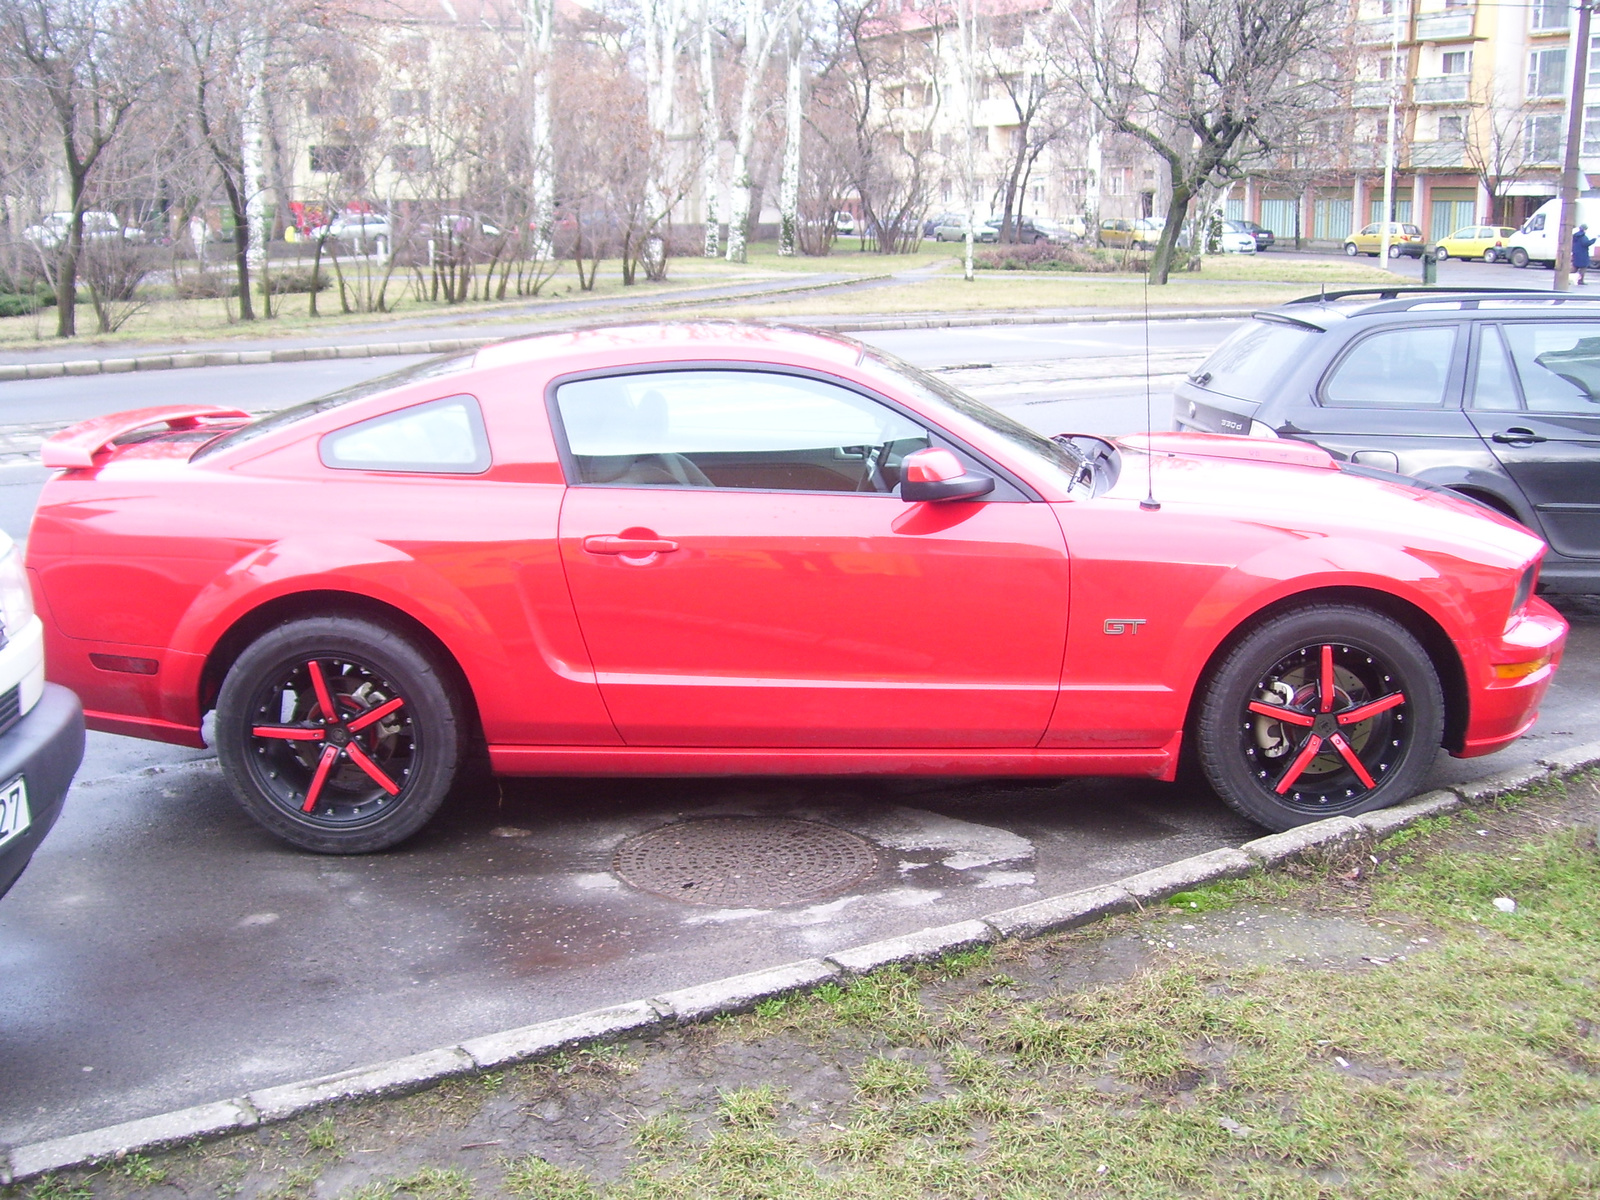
<point x="1569" y="166"/>
<point x="1388" y="153"/>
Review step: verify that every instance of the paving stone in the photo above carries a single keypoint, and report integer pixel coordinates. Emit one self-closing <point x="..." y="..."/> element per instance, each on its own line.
<point x="737" y="993"/>
<point x="547" y="1037"/>
<point x="292" y="354"/>
<point x="116" y="366"/>
<point x="397" y="1075"/>
<point x="45" y="370"/>
<point x="1186" y="873"/>
<point x="255" y="356"/>
<point x="1060" y="912"/>
<point x="1499" y="784"/>
<point x="351" y="352"/>
<point x="914" y="947"/>
<point x="1319" y="835"/>
<point x="11" y="371"/>
<point x="153" y="362"/>
<point x="131" y="1137"/>
<point x="1385" y="821"/>
<point x="222" y="358"/>
<point x="82" y="366"/>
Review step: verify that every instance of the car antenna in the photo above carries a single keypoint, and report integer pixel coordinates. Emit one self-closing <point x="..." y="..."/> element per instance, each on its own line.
<point x="1149" y="503"/>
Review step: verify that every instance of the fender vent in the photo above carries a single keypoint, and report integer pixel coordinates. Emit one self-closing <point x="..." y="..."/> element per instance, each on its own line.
<point x="10" y="708"/>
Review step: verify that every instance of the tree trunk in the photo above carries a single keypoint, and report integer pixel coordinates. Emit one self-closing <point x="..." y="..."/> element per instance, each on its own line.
<point x="710" y="136"/>
<point x="1177" y="212"/>
<point x="789" y="187"/>
<point x="67" y="268"/>
<point x="241" y="245"/>
<point x="538" y="40"/>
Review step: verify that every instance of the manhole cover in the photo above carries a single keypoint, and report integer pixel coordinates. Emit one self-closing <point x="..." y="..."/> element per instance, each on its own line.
<point x="745" y="862"/>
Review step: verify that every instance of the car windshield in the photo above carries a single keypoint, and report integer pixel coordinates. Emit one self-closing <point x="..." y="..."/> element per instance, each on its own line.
<point x="433" y="368"/>
<point x="1060" y="460"/>
<point x="1250" y="361"/>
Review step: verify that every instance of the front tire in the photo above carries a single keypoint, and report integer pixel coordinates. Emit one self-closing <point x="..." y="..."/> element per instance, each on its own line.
<point x="1330" y="710"/>
<point x="1519" y="257"/>
<point x="1440" y="254"/>
<point x="339" y="735"/>
<point x="1351" y="249"/>
<point x="1394" y="251"/>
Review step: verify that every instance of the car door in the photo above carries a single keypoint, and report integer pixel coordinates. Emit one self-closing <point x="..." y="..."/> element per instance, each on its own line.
<point x="1546" y="430"/>
<point x="744" y="574"/>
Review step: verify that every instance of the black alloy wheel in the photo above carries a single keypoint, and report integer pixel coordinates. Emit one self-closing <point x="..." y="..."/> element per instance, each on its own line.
<point x="338" y="735"/>
<point x="1325" y="711"/>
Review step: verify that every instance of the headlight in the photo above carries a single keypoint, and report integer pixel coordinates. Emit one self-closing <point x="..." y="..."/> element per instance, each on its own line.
<point x="16" y="597"/>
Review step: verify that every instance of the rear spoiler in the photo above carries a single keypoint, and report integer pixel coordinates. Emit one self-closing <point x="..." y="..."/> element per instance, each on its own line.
<point x="77" y="445"/>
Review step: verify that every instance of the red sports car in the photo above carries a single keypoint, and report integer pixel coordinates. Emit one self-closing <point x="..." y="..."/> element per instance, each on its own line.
<point x="716" y="549"/>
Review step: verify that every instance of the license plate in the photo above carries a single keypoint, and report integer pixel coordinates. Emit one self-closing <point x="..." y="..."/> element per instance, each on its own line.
<point x="15" y="816"/>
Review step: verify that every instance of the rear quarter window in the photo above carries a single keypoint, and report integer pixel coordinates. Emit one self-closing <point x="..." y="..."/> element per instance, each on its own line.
<point x="1248" y="364"/>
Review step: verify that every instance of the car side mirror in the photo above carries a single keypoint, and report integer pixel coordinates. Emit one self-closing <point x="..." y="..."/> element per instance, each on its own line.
<point x="937" y="474"/>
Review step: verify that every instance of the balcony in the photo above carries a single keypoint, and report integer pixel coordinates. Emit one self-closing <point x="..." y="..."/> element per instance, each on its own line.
<point x="1379" y="31"/>
<point x="1438" y="154"/>
<point x="1366" y="156"/>
<point x="1440" y="89"/>
<point x="1446" y="26"/>
<point x="1370" y="94"/>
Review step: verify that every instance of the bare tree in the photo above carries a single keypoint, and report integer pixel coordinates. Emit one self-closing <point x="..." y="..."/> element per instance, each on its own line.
<point x="1205" y="84"/>
<point x="86" y="61"/>
<point x="763" y="21"/>
<point x="1037" y="98"/>
<point x="1496" y="141"/>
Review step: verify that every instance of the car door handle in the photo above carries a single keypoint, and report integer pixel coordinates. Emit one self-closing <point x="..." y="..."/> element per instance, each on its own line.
<point x="1517" y="435"/>
<point x="633" y="547"/>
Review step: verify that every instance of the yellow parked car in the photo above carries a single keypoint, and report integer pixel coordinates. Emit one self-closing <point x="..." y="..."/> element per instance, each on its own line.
<point x="1474" y="241"/>
<point x="1121" y="233"/>
<point x="1404" y="238"/>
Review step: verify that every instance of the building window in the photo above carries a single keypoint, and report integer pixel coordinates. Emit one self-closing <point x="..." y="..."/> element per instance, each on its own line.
<point x="1550" y="16"/>
<point x="332" y="160"/>
<point x="1457" y="62"/>
<point x="1452" y="129"/>
<point x="1547" y="72"/>
<point x="1542" y="138"/>
<point x="411" y="159"/>
<point x="1115" y="184"/>
<point x="1591" y="131"/>
<point x="408" y="102"/>
<point x="1594" y="63"/>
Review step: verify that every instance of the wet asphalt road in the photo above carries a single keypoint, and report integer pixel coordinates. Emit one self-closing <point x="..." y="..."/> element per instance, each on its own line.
<point x="162" y="951"/>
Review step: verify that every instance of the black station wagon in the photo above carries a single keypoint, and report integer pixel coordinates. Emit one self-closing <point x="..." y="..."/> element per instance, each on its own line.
<point x="1491" y="393"/>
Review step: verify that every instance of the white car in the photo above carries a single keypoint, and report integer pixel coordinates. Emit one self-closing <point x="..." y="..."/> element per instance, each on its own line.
<point x="98" y="226"/>
<point x="41" y="724"/>
<point x="1235" y="242"/>
<point x="360" y="230"/>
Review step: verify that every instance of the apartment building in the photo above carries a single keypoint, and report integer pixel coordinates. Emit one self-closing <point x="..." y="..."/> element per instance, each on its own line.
<point x="1480" y="100"/>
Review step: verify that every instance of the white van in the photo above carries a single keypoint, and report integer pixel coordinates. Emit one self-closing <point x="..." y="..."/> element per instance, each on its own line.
<point x="1536" y="240"/>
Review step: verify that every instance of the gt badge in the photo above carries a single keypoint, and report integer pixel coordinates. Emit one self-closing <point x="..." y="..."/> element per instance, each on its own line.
<point x="1120" y="625"/>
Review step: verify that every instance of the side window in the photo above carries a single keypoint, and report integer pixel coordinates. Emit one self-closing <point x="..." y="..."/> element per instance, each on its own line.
<point x="1558" y="364"/>
<point x="1493" y="389"/>
<point x="1397" y="368"/>
<point x="733" y="429"/>
<point x="442" y="436"/>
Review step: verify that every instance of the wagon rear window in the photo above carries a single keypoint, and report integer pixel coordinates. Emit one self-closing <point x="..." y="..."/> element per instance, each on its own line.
<point x="1248" y="364"/>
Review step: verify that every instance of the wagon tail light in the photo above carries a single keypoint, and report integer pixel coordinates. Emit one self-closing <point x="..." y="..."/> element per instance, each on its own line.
<point x="75" y="447"/>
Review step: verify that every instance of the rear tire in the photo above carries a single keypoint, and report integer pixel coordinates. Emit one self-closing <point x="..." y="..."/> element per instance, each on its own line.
<point x="1394" y="251"/>
<point x="1318" y="666"/>
<point x="1519" y="257"/>
<point x="1351" y="250"/>
<point x="1440" y="254"/>
<point x="352" y="781"/>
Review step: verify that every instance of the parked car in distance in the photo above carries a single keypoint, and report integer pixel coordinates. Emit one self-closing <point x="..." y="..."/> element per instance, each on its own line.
<point x="844" y="223"/>
<point x="361" y="231"/>
<point x="1474" y="241"/>
<point x="41" y="726"/>
<point x="1493" y="393"/>
<point x="931" y="225"/>
<point x="720" y="549"/>
<point x="1236" y="241"/>
<point x="1120" y="233"/>
<point x="1404" y="239"/>
<point x="1263" y="236"/>
<point x="1028" y="230"/>
<point x="98" y="226"/>
<point x="955" y="230"/>
<point x="462" y="226"/>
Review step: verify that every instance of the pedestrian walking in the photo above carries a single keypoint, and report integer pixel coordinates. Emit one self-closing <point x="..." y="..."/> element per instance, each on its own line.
<point x="1581" y="241"/>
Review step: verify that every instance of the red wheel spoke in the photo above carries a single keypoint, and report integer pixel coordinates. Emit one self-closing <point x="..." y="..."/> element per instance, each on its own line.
<point x="374" y="714"/>
<point x="330" y="755"/>
<point x="372" y="769"/>
<point x="320" y="686"/>
<point x="1301" y="761"/>
<point x="290" y="733"/>
<point x="1325" y="684"/>
<point x="1349" y="756"/>
<point x="1287" y="715"/>
<point x="1363" y="712"/>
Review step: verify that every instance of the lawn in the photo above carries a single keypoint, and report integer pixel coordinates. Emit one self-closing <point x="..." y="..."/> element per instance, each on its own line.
<point x="1370" y="1026"/>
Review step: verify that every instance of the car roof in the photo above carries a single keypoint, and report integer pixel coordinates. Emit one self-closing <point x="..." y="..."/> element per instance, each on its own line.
<point x="716" y="338"/>
<point x="1323" y="310"/>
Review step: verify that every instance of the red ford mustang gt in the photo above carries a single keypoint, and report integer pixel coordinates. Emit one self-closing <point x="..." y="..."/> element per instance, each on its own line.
<point x="714" y="549"/>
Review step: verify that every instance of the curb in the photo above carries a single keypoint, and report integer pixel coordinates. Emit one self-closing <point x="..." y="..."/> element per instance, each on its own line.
<point x="739" y="993"/>
<point x="12" y="372"/>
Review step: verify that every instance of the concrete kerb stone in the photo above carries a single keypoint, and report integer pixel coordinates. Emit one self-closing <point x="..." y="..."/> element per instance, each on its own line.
<point x="141" y="1136"/>
<point x="1331" y="834"/>
<point x="921" y="946"/>
<point x="394" y="1077"/>
<point x="1578" y="758"/>
<point x="738" y="992"/>
<point x="1500" y="783"/>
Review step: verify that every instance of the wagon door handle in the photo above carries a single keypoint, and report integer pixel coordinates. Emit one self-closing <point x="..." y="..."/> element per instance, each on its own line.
<point x="1518" y="435"/>
<point x="633" y="547"/>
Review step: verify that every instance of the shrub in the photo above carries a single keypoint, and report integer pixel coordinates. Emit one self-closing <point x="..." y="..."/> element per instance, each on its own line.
<point x="208" y="286"/>
<point x="1046" y="256"/>
<point x="22" y="304"/>
<point x="285" y="283"/>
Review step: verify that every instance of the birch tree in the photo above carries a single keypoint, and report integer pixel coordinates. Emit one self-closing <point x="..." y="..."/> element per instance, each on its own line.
<point x="663" y="22"/>
<point x="710" y="133"/>
<point x="762" y="25"/>
<point x="789" y="184"/>
<point x="538" y="41"/>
